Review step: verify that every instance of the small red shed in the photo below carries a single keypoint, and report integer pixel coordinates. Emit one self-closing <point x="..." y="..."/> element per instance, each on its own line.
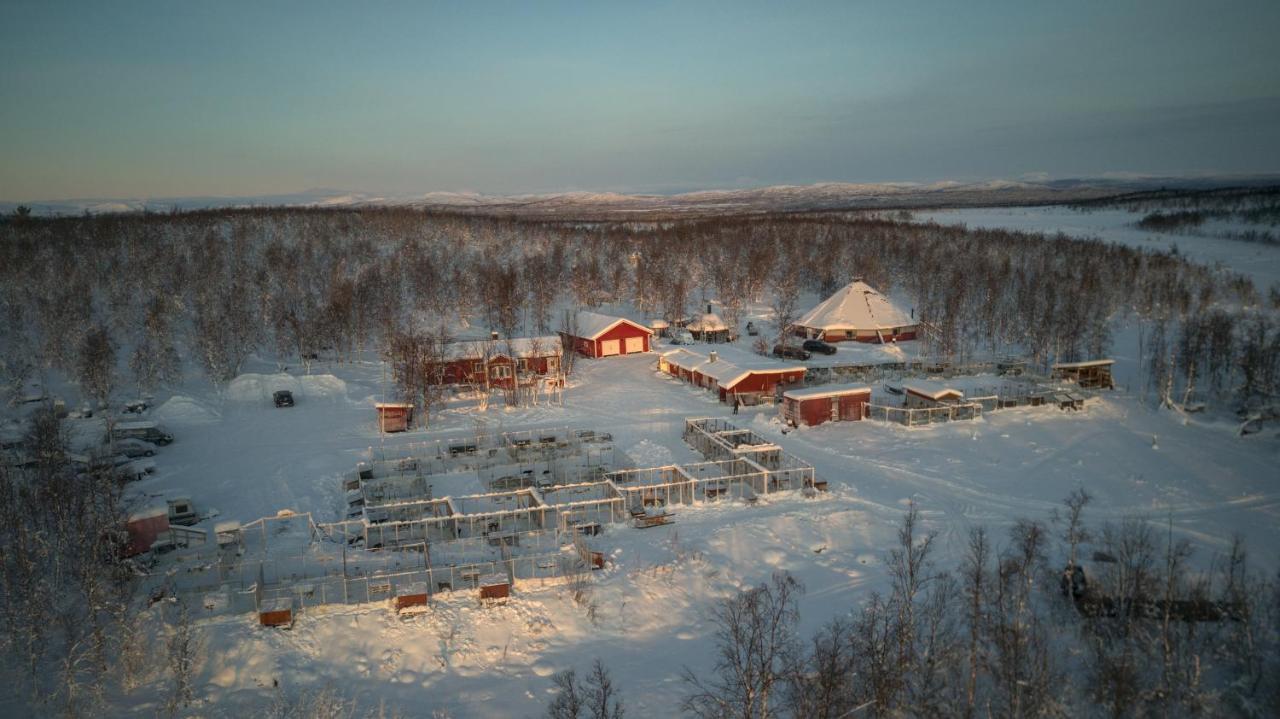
<point x="276" y="612"/>
<point x="494" y="587"/>
<point x="596" y="335"/>
<point x="411" y="595"/>
<point x="145" y="527"/>
<point x="829" y="403"/>
<point x="394" y="416"/>
<point x="923" y="394"/>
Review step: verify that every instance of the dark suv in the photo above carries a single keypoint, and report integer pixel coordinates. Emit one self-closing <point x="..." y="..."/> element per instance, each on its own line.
<point x="819" y="346"/>
<point x="787" y="352"/>
<point x="283" y="398"/>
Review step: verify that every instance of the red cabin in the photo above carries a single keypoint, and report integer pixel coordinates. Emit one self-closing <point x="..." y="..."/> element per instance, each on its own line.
<point x="596" y="335"/>
<point x="747" y="378"/>
<point x="500" y="363"/>
<point x="145" y="527"/>
<point x="830" y="403"/>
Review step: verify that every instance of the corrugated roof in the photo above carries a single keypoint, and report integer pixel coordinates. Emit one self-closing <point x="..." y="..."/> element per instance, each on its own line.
<point x="857" y="306"/>
<point x="590" y="325"/>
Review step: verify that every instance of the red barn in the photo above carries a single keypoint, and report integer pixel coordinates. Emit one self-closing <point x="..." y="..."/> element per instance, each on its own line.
<point x="499" y="363"/>
<point x="597" y="335"/>
<point x="829" y="403"/>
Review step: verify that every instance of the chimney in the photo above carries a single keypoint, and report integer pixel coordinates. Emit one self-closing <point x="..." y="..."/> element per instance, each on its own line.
<point x="711" y="356"/>
<point x="493" y="335"/>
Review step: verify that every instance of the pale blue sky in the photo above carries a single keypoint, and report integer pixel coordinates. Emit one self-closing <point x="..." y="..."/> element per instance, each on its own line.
<point x="141" y="99"/>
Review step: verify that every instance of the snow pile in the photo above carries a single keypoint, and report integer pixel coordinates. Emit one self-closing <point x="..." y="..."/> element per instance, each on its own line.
<point x="184" y="410"/>
<point x="649" y="454"/>
<point x="260" y="387"/>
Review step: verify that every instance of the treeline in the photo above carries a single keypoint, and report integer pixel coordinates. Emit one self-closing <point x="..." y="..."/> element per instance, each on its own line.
<point x="1000" y="634"/>
<point x="202" y="291"/>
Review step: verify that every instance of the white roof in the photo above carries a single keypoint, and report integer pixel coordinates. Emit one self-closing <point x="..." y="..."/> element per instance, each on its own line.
<point x="932" y="390"/>
<point x="546" y="346"/>
<point x="827" y="390"/>
<point x="659" y="324"/>
<point x="856" y="307"/>
<point x="590" y="325"/>
<point x="1086" y="363"/>
<point x="709" y="322"/>
<point x="726" y="373"/>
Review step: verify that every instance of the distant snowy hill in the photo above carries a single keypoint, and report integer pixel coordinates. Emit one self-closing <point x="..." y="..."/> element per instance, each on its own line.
<point x="820" y="196"/>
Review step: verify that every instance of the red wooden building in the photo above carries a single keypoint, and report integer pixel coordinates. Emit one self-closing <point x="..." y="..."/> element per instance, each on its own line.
<point x="923" y="394"/>
<point x="501" y="363"/>
<point x="596" y="335"/>
<point x="394" y="416"/>
<point x="828" y="403"/>
<point x="750" y="380"/>
<point x="145" y="527"/>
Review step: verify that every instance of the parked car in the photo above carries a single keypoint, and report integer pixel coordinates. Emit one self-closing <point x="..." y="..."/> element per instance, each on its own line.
<point x="131" y="447"/>
<point x="136" y="406"/>
<point x="788" y="352"/>
<point x="148" y="431"/>
<point x="816" y="345"/>
<point x="751" y="329"/>
<point x="283" y="398"/>
<point x="681" y="336"/>
<point x="136" y="469"/>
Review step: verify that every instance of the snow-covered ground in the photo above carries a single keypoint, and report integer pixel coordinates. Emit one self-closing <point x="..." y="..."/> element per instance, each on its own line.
<point x="235" y="451"/>
<point x="1259" y="262"/>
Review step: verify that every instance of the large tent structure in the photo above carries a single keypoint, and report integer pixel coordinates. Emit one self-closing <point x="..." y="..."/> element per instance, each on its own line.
<point x="857" y="312"/>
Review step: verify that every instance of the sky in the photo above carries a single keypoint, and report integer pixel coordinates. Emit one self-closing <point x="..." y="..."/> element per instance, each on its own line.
<point x="168" y="99"/>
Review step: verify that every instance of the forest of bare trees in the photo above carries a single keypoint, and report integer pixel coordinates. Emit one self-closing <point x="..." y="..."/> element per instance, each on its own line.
<point x="198" y="293"/>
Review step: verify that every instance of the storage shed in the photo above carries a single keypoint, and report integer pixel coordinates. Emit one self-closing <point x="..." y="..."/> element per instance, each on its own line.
<point x="411" y="595"/>
<point x="145" y="527"/>
<point x="494" y="587"/>
<point x="276" y="612"/>
<point x="394" y="416"/>
<point x="1090" y="374"/>
<point x="595" y="335"/>
<point x="923" y="394"/>
<point x="828" y="403"/>
<point x="859" y="313"/>
<point x="709" y="327"/>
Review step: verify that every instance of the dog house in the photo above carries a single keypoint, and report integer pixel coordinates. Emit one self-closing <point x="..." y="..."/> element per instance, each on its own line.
<point x="277" y="612"/>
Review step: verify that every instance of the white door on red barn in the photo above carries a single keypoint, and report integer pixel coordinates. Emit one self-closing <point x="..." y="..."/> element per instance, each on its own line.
<point x="610" y="347"/>
<point x="635" y="344"/>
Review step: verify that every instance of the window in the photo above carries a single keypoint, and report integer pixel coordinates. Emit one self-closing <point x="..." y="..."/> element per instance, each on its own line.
<point x="848" y="334"/>
<point x="553" y="365"/>
<point x="501" y="371"/>
<point x="524" y="365"/>
<point x="477" y="368"/>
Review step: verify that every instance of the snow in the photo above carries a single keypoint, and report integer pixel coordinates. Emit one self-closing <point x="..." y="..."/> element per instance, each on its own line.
<point x="544" y="346"/>
<point x="236" y="451"/>
<point x="826" y="390"/>
<point x="1259" y="262"/>
<point x="856" y="306"/>
<point x="707" y="322"/>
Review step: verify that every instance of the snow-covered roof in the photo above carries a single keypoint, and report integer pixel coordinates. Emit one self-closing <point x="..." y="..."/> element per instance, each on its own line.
<point x="1086" y="363"/>
<point x="856" y="307"/>
<point x="546" y="346"/>
<point x="590" y="325"/>
<point x="932" y="390"/>
<point x="826" y="390"/>
<point x="709" y="322"/>
<point x="726" y="373"/>
<point x="659" y="324"/>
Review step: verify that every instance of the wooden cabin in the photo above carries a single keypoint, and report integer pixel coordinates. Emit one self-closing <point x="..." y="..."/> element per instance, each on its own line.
<point x="827" y="403"/>
<point x="502" y="363"/>
<point x="748" y="379"/>
<point x="1090" y="374"/>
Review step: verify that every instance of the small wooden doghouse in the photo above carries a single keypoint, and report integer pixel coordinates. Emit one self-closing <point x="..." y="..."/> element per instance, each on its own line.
<point x="394" y="416"/>
<point x="277" y="612"/>
<point x="494" y="587"/>
<point x="828" y="403"/>
<point x="924" y="395"/>
<point x="411" y="595"/>
<point x="1090" y="374"/>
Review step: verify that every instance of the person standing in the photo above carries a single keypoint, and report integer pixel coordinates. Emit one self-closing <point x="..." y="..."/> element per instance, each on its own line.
<point x="735" y="404"/>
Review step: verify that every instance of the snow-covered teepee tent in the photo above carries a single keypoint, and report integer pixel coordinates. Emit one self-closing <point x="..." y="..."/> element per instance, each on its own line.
<point x="857" y="312"/>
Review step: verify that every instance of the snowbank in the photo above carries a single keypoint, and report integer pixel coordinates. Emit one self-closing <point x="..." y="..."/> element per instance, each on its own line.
<point x="259" y="387"/>
<point x="650" y="454"/>
<point x="184" y="410"/>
